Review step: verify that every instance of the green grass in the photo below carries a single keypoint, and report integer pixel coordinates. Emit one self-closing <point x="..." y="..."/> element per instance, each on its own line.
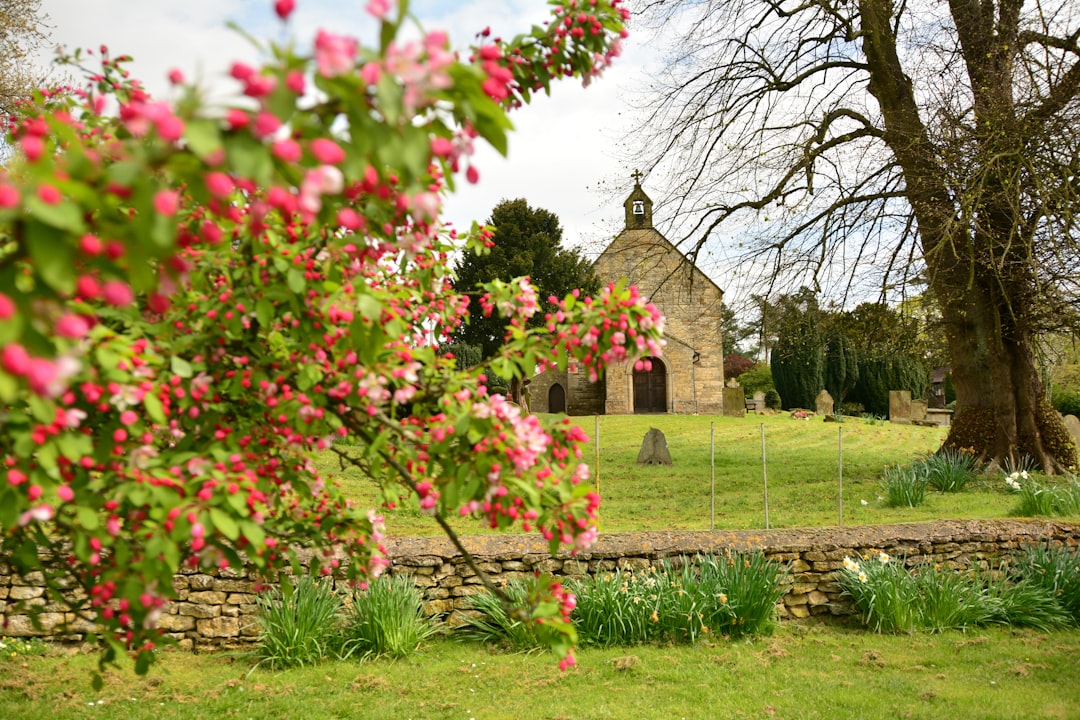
<point x="799" y="672"/>
<point x="802" y="468"/>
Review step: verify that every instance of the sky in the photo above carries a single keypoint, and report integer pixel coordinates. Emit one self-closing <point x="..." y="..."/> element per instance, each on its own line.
<point x="563" y="157"/>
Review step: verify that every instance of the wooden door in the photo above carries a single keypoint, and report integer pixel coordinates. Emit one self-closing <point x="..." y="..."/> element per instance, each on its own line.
<point x="556" y="399"/>
<point x="650" y="389"/>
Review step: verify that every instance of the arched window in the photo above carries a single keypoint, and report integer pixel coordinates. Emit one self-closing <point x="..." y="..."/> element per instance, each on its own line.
<point x="556" y="399"/>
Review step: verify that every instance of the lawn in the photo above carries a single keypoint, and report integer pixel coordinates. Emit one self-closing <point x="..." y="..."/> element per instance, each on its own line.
<point x="800" y="672"/>
<point x="802" y="465"/>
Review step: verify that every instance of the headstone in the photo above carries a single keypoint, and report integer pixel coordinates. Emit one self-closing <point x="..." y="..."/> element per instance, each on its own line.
<point x="900" y="406"/>
<point x="654" y="449"/>
<point x="759" y="401"/>
<point x="918" y="410"/>
<point x="823" y="404"/>
<point x="734" y="401"/>
<point x="1073" y="425"/>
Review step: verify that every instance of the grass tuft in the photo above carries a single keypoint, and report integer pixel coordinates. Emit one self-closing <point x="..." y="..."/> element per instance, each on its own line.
<point x="950" y="470"/>
<point x="386" y="619"/>
<point x="297" y="623"/>
<point x="904" y="485"/>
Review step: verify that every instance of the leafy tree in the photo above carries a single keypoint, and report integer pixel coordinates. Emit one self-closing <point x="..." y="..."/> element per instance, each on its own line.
<point x="191" y="304"/>
<point x="23" y="30"/>
<point x="525" y="242"/>
<point x="735" y="365"/>
<point x="841" y="370"/>
<point x="798" y="359"/>
<point x="902" y="142"/>
<point x="757" y="378"/>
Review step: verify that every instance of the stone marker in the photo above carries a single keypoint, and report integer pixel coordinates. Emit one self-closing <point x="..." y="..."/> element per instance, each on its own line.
<point x="918" y="410"/>
<point x="734" y="400"/>
<point x="1073" y="425"/>
<point x="900" y="406"/>
<point x="654" y="449"/>
<point x="759" y="401"/>
<point x="823" y="403"/>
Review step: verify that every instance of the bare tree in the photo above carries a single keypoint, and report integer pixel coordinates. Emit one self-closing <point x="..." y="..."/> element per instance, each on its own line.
<point x="873" y="142"/>
<point x="23" y="30"/>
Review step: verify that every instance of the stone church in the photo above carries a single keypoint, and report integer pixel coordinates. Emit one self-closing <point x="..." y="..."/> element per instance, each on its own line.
<point x="689" y="378"/>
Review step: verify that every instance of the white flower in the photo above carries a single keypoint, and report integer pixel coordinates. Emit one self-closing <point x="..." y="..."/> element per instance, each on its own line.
<point x="850" y="564"/>
<point x="883" y="557"/>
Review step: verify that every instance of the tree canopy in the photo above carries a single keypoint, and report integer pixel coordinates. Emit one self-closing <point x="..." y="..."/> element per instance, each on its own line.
<point x="23" y="30"/>
<point x="525" y="241"/>
<point x="876" y="144"/>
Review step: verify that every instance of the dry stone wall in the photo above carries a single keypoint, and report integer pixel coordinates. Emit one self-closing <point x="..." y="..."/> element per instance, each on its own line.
<point x="216" y="609"/>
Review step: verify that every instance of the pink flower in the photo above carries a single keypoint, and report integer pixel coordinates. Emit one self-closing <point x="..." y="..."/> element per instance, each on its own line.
<point x="287" y="149"/>
<point x="9" y="196"/>
<point x="380" y="8"/>
<point x="167" y="202"/>
<point x="42" y="513"/>
<point x="266" y="124"/>
<point x="219" y="184"/>
<point x="48" y="194"/>
<point x="42" y="375"/>
<point x="117" y="293"/>
<point x="16" y="477"/>
<point x="284" y="8"/>
<point x="176" y="77"/>
<point x="295" y="82"/>
<point x="334" y="54"/>
<point x="326" y="151"/>
<point x="72" y="325"/>
<point x="33" y="147"/>
<point x="14" y="359"/>
<point x="91" y="244"/>
<point x="65" y="493"/>
<point x="7" y="307"/>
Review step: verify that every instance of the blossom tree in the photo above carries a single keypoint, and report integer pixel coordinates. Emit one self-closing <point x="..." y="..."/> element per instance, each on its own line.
<point x="192" y="302"/>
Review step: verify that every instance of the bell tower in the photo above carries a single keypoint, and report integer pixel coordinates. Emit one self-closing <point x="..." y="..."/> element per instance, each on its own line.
<point x="638" y="207"/>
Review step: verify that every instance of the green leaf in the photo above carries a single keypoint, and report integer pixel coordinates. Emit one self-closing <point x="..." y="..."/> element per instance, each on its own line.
<point x="180" y="366"/>
<point x="154" y="409"/>
<point x="53" y="257"/>
<point x="96" y="681"/>
<point x="203" y="137"/>
<point x="296" y="281"/>
<point x="249" y="158"/>
<point x="87" y="517"/>
<point x="64" y="215"/>
<point x="309" y="376"/>
<point x="264" y="313"/>
<point x="225" y="523"/>
<point x="370" y="308"/>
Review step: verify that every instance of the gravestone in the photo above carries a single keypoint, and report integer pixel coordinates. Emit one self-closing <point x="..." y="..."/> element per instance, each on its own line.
<point x="900" y="406"/>
<point x="823" y="404"/>
<point x="759" y="401"/>
<point x="734" y="400"/>
<point x="654" y="449"/>
<point x="1073" y="425"/>
<point x="918" y="410"/>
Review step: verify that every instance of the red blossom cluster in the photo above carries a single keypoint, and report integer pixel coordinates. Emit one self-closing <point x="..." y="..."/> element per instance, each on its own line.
<point x="192" y="304"/>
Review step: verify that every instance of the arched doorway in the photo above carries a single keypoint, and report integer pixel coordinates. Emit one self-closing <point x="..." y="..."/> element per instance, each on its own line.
<point x="650" y="388"/>
<point x="556" y="399"/>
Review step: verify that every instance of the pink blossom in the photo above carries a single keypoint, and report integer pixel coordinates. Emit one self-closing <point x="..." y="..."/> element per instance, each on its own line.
<point x="16" y="477"/>
<point x="117" y="293"/>
<point x="176" y="77"/>
<point x="219" y="184"/>
<point x="380" y="8"/>
<point x="334" y="54"/>
<point x="295" y="82"/>
<point x="7" y="307"/>
<point x="49" y="194"/>
<point x="287" y="149"/>
<point x="72" y="325"/>
<point x="327" y="151"/>
<point x="41" y="513"/>
<point x="91" y="244"/>
<point x="14" y="359"/>
<point x="266" y="124"/>
<point x="284" y="8"/>
<point x="167" y="202"/>
<point x="65" y="493"/>
<point x="9" y="196"/>
<point x="33" y="147"/>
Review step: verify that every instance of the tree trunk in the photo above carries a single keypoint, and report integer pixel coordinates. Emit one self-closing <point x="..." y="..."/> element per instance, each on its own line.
<point x="1002" y="412"/>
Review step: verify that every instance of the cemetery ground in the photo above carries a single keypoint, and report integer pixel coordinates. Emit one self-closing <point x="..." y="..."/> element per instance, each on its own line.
<point x="802" y="471"/>
<point x="801" y="671"/>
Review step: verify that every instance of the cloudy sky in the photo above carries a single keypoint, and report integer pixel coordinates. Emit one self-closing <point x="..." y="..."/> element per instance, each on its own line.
<point x="565" y="155"/>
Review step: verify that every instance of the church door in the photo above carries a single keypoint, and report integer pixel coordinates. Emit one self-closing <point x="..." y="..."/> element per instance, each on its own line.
<point x="650" y="389"/>
<point x="556" y="399"/>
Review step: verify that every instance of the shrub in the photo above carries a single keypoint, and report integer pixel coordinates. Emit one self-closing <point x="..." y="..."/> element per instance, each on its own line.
<point x="1039" y="499"/>
<point x="893" y="600"/>
<point x="735" y="365"/>
<point x="1056" y="569"/>
<point x="1066" y="402"/>
<point x="904" y="485"/>
<point x="385" y="619"/>
<point x="15" y="648"/>
<point x="950" y="470"/>
<point x="297" y="623"/>
<point x="772" y="400"/>
<point x="733" y="595"/>
<point x="493" y="624"/>
<point x="757" y="378"/>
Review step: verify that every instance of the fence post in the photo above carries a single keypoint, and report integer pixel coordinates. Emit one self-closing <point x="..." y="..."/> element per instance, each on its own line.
<point x="596" y="462"/>
<point x="764" y="476"/>
<point x="841" y="456"/>
<point x="712" y="473"/>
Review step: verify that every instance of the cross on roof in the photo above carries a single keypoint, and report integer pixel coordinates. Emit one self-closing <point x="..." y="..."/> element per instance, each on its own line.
<point x="637" y="177"/>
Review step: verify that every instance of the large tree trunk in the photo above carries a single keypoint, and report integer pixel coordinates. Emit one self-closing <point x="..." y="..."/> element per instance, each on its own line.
<point x="1002" y="411"/>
